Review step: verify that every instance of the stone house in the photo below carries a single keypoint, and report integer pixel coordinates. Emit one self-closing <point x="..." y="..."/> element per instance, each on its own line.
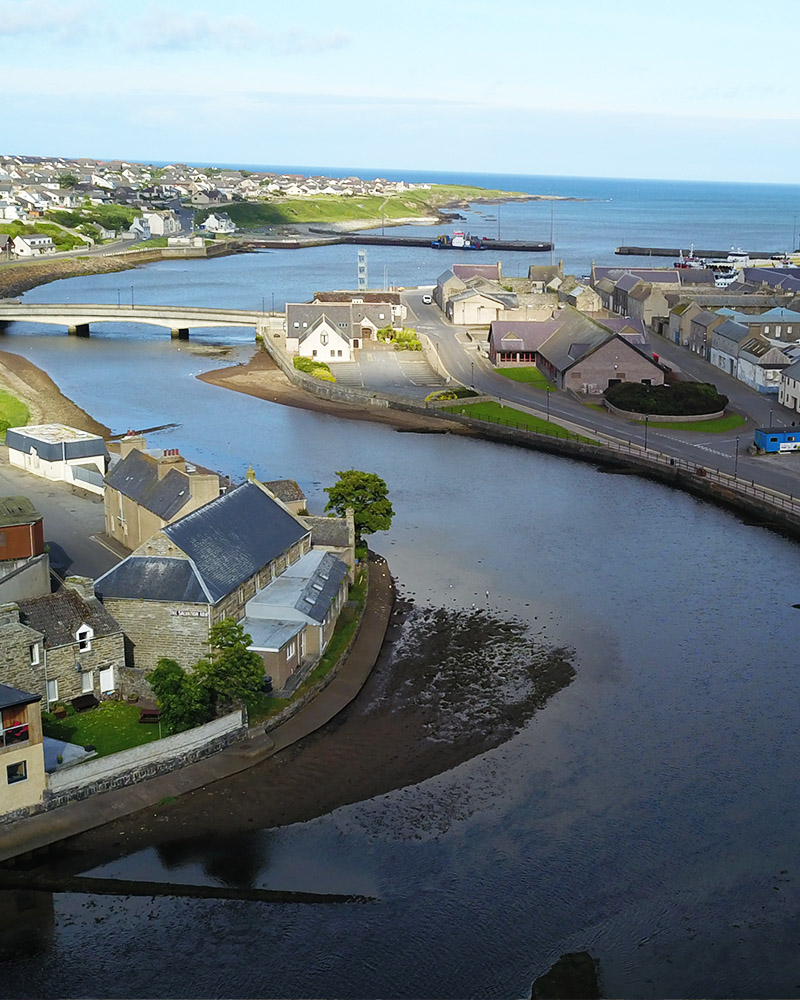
<point x="144" y="491"/>
<point x="24" y="564"/>
<point x="750" y="359"/>
<point x="701" y="328"/>
<point x="199" y="570"/>
<point x="62" y="645"/>
<point x="581" y="297"/>
<point x="586" y="357"/>
<point x="22" y="774"/>
<point x="541" y="276"/>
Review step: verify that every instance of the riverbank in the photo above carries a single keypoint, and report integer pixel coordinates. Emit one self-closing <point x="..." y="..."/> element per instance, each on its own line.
<point x="261" y="377"/>
<point x="45" y="401"/>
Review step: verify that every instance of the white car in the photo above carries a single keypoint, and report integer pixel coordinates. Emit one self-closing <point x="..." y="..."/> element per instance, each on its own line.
<point x="427" y="299"/>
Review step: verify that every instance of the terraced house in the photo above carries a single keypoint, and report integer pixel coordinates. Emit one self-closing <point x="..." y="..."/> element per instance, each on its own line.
<point x="210" y="565"/>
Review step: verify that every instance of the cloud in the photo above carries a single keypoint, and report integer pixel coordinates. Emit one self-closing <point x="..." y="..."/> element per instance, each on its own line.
<point x="162" y="27"/>
<point x="44" y="18"/>
<point x="303" y="41"/>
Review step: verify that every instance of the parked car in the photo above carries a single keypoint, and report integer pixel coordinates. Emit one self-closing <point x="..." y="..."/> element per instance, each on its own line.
<point x="427" y="299"/>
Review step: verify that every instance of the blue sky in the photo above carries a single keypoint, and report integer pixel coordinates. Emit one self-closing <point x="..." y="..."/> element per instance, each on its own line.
<point x="604" y="88"/>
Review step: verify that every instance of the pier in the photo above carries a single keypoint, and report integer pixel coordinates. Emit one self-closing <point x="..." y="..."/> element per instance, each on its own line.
<point x="326" y="237"/>
<point x="676" y="252"/>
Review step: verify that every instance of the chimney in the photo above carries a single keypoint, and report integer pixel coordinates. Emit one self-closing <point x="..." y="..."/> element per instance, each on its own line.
<point x="171" y="459"/>
<point x="82" y="585"/>
<point x="9" y="614"/>
<point x="131" y="442"/>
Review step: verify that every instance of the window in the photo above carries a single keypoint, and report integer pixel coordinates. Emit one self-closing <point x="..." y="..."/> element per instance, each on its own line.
<point x="778" y="331"/>
<point x="338" y="354"/>
<point x="52" y="691"/>
<point x="84" y="635"/>
<point x="647" y="381"/>
<point x="313" y="354"/>
<point x="87" y="682"/>
<point x="17" y="772"/>
<point x="34" y="651"/>
<point x="290" y="650"/>
<point x="766" y="330"/>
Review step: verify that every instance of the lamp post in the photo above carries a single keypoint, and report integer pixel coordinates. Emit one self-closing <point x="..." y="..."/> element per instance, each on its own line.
<point x="132" y="303"/>
<point x="770" y="418"/>
<point x="273" y="301"/>
<point x="263" y="307"/>
<point x="736" y="459"/>
<point x="547" y="398"/>
<point x="646" y="419"/>
<point x="472" y="374"/>
<point x="119" y="302"/>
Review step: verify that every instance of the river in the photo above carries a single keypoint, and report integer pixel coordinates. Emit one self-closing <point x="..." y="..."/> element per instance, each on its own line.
<point x="648" y="813"/>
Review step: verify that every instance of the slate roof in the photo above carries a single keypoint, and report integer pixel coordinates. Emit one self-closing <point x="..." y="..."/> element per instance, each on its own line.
<point x="731" y="331"/>
<point x="628" y="282"/>
<point x="531" y="333"/>
<point x="136" y="477"/>
<point x="59" y="616"/>
<point x="304" y="592"/>
<point x="154" y="578"/>
<point x="12" y="697"/>
<point x="464" y="271"/>
<point x="285" y="489"/>
<point x="17" y="510"/>
<point x="234" y="536"/>
<point x="655" y="275"/>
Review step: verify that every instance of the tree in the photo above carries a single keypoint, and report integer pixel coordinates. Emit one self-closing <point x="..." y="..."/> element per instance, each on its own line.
<point x="368" y="495"/>
<point x="232" y="672"/>
<point x="67" y="180"/>
<point x="185" y="702"/>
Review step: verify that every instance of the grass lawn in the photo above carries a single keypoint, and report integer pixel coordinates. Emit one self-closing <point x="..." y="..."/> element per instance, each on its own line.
<point x="727" y="423"/>
<point x="13" y="412"/>
<point x="530" y="376"/>
<point x="111" y="727"/>
<point x="509" y="417"/>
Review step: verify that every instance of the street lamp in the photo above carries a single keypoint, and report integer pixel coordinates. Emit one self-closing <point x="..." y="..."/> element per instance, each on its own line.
<point x="646" y="419"/>
<point x="132" y="303"/>
<point x="472" y="374"/>
<point x="119" y="302"/>
<point x="736" y="460"/>
<point x="547" y="398"/>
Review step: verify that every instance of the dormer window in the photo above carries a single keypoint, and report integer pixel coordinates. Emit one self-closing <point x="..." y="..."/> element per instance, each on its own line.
<point x="84" y="635"/>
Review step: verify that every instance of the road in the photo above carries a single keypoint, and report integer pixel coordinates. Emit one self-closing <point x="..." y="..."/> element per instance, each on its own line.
<point x="726" y="451"/>
<point x="71" y="518"/>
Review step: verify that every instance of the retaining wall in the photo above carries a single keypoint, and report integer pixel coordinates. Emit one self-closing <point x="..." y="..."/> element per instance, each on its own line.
<point x="663" y="418"/>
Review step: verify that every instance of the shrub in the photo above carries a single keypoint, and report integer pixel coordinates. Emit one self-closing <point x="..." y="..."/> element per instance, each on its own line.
<point x="310" y="365"/>
<point x="322" y="375"/>
<point x="680" y="399"/>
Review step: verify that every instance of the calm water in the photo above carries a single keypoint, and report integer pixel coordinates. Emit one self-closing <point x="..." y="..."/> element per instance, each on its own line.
<point x="648" y="814"/>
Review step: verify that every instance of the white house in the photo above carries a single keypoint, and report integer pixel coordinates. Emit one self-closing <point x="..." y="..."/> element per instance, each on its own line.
<point x="789" y="387"/>
<point x="323" y="340"/>
<point x="219" y="222"/>
<point x="164" y="223"/>
<point x="61" y="453"/>
<point x="33" y="245"/>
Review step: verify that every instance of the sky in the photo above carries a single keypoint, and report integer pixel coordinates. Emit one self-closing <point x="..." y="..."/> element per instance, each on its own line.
<point x="604" y="88"/>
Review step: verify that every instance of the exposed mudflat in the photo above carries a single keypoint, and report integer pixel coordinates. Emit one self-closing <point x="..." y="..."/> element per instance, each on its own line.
<point x="449" y="685"/>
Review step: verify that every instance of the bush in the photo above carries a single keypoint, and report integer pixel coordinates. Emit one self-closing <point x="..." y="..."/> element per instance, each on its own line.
<point x="323" y="376"/>
<point x="457" y="392"/>
<point x="310" y="365"/>
<point x="681" y="399"/>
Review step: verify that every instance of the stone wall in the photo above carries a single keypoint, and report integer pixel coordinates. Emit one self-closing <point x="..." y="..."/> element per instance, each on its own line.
<point x="159" y="628"/>
<point x="68" y="664"/>
<point x="140" y="763"/>
<point x="630" y="415"/>
<point x="129" y="767"/>
<point x="16" y="640"/>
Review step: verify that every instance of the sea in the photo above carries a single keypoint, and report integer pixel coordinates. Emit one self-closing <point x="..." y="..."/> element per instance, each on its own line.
<point x="647" y="813"/>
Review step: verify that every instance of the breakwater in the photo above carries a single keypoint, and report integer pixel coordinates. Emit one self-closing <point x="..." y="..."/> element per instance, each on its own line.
<point x="677" y="251"/>
<point x="330" y="238"/>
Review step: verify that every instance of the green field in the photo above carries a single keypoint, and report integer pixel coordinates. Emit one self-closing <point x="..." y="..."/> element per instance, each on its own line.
<point x="13" y="412"/>
<point x="61" y="240"/>
<point x="528" y="376"/>
<point x="111" y="727"/>
<point x="341" y="208"/>
<point x="727" y="423"/>
<point x="507" y="416"/>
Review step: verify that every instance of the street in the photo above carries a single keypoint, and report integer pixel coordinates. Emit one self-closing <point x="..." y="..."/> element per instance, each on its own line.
<point x="727" y="451"/>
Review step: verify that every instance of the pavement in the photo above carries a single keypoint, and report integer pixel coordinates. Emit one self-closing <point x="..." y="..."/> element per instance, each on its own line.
<point x="44" y="829"/>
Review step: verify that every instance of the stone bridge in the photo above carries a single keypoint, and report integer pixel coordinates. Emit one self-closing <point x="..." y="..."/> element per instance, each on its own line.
<point x="179" y="320"/>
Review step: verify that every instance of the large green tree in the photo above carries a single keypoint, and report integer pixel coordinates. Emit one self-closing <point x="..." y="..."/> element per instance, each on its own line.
<point x="185" y="701"/>
<point x="232" y="672"/>
<point x="368" y="495"/>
